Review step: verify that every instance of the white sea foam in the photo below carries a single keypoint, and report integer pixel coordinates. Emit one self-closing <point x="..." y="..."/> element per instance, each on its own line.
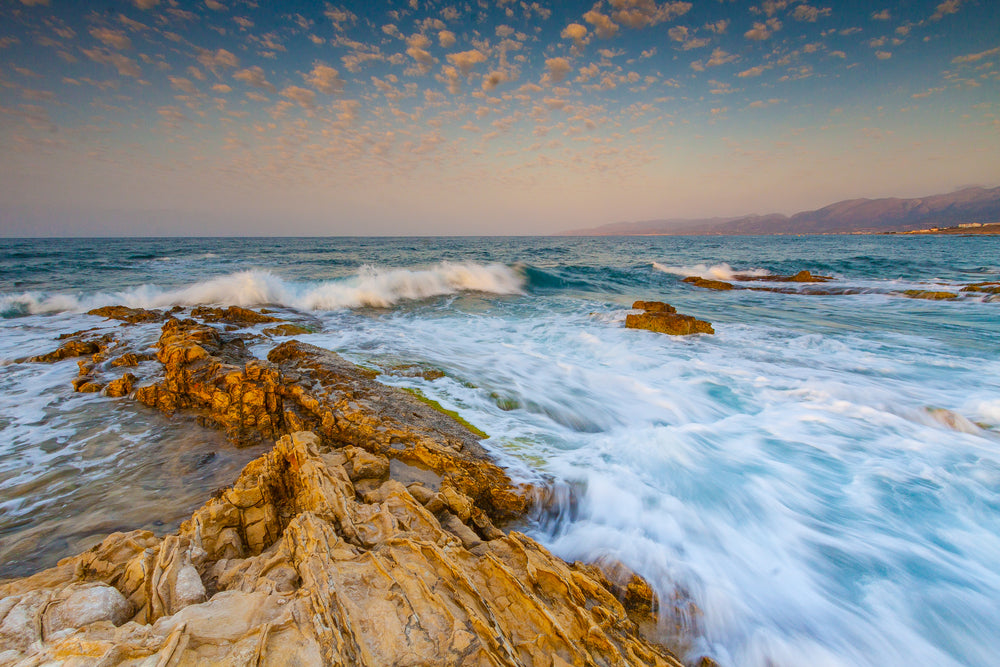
<point x="371" y="286"/>
<point x="721" y="271"/>
<point x="792" y="486"/>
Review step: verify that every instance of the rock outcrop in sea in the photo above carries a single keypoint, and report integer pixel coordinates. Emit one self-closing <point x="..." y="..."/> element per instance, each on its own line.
<point x="664" y="318"/>
<point x="370" y="534"/>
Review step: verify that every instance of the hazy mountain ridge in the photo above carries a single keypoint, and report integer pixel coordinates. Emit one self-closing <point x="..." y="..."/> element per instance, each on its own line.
<point x="844" y="217"/>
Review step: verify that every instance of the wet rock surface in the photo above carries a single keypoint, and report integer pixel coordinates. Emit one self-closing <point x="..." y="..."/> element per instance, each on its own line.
<point x="368" y="535"/>
<point x="664" y="318"/>
<point x="930" y="295"/>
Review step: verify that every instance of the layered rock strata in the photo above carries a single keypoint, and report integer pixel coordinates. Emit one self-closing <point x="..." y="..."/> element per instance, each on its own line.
<point x="366" y="536"/>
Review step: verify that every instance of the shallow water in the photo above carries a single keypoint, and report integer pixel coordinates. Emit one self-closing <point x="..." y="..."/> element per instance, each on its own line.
<point x="820" y="480"/>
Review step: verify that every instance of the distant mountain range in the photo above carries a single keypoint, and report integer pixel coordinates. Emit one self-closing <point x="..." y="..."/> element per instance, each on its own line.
<point x="970" y="205"/>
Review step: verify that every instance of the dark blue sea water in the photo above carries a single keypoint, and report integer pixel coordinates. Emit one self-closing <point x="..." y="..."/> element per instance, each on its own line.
<point x="818" y="483"/>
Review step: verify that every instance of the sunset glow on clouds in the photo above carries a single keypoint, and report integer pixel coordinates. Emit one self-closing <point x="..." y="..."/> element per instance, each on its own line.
<point x="504" y="117"/>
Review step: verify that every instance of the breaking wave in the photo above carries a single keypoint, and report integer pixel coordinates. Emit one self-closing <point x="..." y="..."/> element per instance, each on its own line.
<point x="716" y="271"/>
<point x="372" y="286"/>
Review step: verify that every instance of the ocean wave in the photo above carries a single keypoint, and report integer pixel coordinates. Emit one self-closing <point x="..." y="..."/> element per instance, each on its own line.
<point x="372" y="286"/>
<point x="721" y="271"/>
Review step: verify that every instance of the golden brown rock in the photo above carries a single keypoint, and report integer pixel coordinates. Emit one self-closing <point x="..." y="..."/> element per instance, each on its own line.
<point x="929" y="295"/>
<point x="120" y="387"/>
<point x="988" y="287"/>
<point x="287" y="329"/>
<point x="71" y="348"/>
<point x="664" y="318"/>
<point x="654" y="307"/>
<point x="129" y="315"/>
<point x="131" y="359"/>
<point x="674" y="324"/>
<point x="232" y="315"/>
<point x="369" y="542"/>
<point x="292" y="566"/>
<point x="698" y="281"/>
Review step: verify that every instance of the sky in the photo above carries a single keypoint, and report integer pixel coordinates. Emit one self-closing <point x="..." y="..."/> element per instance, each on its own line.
<point x="481" y="117"/>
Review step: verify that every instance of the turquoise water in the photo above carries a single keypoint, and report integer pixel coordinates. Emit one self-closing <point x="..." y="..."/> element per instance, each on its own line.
<point x="818" y="483"/>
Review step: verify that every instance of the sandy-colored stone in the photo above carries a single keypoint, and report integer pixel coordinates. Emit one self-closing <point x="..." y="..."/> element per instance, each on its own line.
<point x="336" y="580"/>
<point x="71" y="348"/>
<point x="120" y="387"/>
<point x="129" y="315"/>
<point x="987" y="287"/>
<point x="707" y="283"/>
<point x="654" y="307"/>
<point x="287" y="329"/>
<point x="319" y="554"/>
<point x="930" y="295"/>
<point x="235" y="315"/>
<point x="664" y="318"/>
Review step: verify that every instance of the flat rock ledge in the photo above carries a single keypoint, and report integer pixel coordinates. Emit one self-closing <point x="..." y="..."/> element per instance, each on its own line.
<point x="664" y="318"/>
<point x="366" y="536"/>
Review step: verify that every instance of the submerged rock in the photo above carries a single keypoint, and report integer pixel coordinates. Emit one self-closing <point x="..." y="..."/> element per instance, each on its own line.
<point x="305" y="560"/>
<point x="664" y="318"/>
<point x="929" y="295"/>
<point x="987" y="287"/>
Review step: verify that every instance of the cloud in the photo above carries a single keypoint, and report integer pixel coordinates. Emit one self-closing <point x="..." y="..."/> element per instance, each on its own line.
<point x="719" y="27"/>
<point x="215" y="6"/>
<point x="558" y="68"/>
<point x="183" y="84"/>
<point x="974" y="57"/>
<point x="145" y="4"/>
<point x="719" y="57"/>
<point x="758" y="33"/>
<point x="417" y="49"/>
<point x="577" y="32"/>
<point x="339" y="17"/>
<point x="883" y="55"/>
<point x="304" y="97"/>
<point x="254" y="76"/>
<point x="222" y="88"/>
<point x="678" y="33"/>
<point x="753" y="71"/>
<point x="446" y="38"/>
<point x="494" y="79"/>
<point x="125" y="66"/>
<point x="946" y="7"/>
<point x="466" y="60"/>
<point x="883" y="15"/>
<point x="325" y="79"/>
<point x="113" y="38"/>
<point x="808" y="13"/>
<point x="642" y="13"/>
<point x="34" y="3"/>
<point x="214" y="60"/>
<point x="604" y="27"/>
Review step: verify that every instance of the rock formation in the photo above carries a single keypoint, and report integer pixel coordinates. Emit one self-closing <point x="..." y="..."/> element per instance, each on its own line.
<point x="930" y="295"/>
<point x="698" y="281"/>
<point x="368" y="535"/>
<point x="664" y="318"/>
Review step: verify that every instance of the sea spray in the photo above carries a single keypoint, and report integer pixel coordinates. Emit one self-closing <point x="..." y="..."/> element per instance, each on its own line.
<point x="371" y="286"/>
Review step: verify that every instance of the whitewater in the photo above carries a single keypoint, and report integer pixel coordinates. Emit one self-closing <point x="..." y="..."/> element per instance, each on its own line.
<point x="818" y="483"/>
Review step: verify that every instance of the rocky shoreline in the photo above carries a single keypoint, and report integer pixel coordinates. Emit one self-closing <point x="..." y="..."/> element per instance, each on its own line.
<point x="374" y="532"/>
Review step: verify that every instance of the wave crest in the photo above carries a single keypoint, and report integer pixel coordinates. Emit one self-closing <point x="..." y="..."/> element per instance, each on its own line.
<point x="721" y="271"/>
<point x="372" y="286"/>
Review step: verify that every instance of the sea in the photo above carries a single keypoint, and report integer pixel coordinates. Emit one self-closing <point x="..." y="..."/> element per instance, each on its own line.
<point x="817" y="483"/>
